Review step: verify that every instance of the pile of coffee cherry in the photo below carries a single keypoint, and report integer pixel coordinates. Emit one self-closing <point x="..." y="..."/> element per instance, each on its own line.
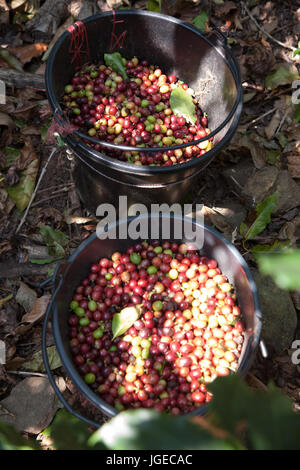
<point x="187" y="330"/>
<point x="134" y="112"/>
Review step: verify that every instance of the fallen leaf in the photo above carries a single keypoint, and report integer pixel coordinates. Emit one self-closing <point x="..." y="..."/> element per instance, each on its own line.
<point x="282" y="76"/>
<point x="36" y="364"/>
<point x="223" y="9"/>
<point x="4" y="12"/>
<point x="31" y="130"/>
<point x="6" y="120"/>
<point x="31" y="404"/>
<point x="55" y="241"/>
<point x="271" y="128"/>
<point x="26" y="297"/>
<point x="27" y="53"/>
<point x="38" y="310"/>
<point x="264" y="211"/>
<point x="294" y="165"/>
<point x="291" y="230"/>
<point x="17" y="3"/>
<point x="271" y="25"/>
<point x="28" y="164"/>
<point x="15" y="363"/>
<point x="258" y="152"/>
<point x="11" y="60"/>
<point x="5" y="299"/>
<point x="201" y="21"/>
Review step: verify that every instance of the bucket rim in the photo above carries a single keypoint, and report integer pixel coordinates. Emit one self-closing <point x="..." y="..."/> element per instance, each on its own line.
<point x="69" y="364"/>
<point x="144" y="169"/>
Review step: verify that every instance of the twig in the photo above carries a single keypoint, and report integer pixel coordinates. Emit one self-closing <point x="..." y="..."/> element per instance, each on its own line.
<point x="286" y="46"/>
<point x="261" y="117"/>
<point x="51" y="197"/>
<point x="27" y="374"/>
<point x="58" y="188"/>
<point x="36" y="188"/>
<point x="282" y="120"/>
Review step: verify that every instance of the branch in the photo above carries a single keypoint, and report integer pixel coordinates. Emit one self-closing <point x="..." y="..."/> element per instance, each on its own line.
<point x="22" y="79"/>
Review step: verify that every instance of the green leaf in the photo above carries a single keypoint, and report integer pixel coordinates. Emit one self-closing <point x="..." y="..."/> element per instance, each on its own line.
<point x="297" y="51"/>
<point x="122" y="321"/>
<point x="150" y="430"/>
<point x="55" y="241"/>
<point x="282" y="139"/>
<point x="68" y="432"/>
<point x="11" y="439"/>
<point x="284" y="268"/>
<point x="201" y="21"/>
<point x="243" y="228"/>
<point x="45" y="129"/>
<point x="11" y="155"/>
<point x="154" y="5"/>
<point x="22" y="192"/>
<point x="297" y="113"/>
<point x="41" y="261"/>
<point x="264" y="211"/>
<point x="114" y="61"/>
<point x="182" y="104"/>
<point x="282" y="76"/>
<point x="36" y="363"/>
<point x="277" y="247"/>
<point x="274" y="156"/>
<point x="265" y="418"/>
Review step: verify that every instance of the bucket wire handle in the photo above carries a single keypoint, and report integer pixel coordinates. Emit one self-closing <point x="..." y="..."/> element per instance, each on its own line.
<point x="68" y="407"/>
<point x="220" y="35"/>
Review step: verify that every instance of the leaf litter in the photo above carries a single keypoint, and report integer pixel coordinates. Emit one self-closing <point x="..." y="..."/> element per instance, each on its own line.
<point x="266" y="142"/>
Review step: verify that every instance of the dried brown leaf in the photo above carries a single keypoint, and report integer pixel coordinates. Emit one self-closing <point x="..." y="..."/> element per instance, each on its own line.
<point x="15" y="363"/>
<point x="27" y="155"/>
<point x="6" y="120"/>
<point x="38" y="310"/>
<point x="271" y="128"/>
<point x="224" y="9"/>
<point x="27" y="53"/>
<point x="294" y="165"/>
<point x="26" y="297"/>
<point x="4" y="12"/>
<point x="290" y="230"/>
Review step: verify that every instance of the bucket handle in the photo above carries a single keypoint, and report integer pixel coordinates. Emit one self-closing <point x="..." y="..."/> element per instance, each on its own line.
<point x="220" y="35"/>
<point x="68" y="407"/>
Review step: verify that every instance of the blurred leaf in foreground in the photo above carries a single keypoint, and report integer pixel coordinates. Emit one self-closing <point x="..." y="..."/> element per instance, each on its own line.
<point x="283" y="267"/>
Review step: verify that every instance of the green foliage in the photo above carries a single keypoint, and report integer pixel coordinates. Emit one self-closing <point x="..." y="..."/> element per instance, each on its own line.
<point x="283" y="267"/>
<point x="122" y="321"/>
<point x="297" y="113"/>
<point x="151" y="430"/>
<point x="280" y="77"/>
<point x="297" y="51"/>
<point x="154" y="5"/>
<point x="55" y="241"/>
<point x="201" y="21"/>
<point x="182" y="104"/>
<point x="114" y="61"/>
<point x="11" y="155"/>
<point x="266" y="419"/>
<point x="277" y="247"/>
<point x="11" y="439"/>
<point x="264" y="211"/>
<point x="238" y="418"/>
<point x="36" y="363"/>
<point x="68" y="433"/>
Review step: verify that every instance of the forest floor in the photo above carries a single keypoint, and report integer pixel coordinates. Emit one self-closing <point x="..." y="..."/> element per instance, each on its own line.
<point x="263" y="157"/>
